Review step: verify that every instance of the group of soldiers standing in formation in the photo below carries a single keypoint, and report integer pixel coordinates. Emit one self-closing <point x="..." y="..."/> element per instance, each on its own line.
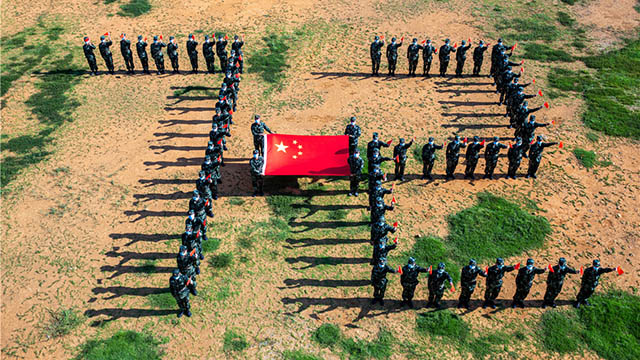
<point x="439" y="279"/>
<point x="428" y="50"/>
<point x="227" y="61"/>
<point x="183" y="280"/>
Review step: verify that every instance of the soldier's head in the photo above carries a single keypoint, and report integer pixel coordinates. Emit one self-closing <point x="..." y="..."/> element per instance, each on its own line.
<point x="457" y="138"/>
<point x="472" y="263"/>
<point x="233" y="54"/>
<point x="382" y="262"/>
<point x="530" y="263"/>
<point x="139" y="37"/>
<point x="381" y="220"/>
<point x="256" y="118"/>
<point x="532" y="119"/>
<point x="500" y="41"/>
<point x="235" y="38"/>
<point x="201" y="175"/>
<point x="379" y="201"/>
<point x="412" y="262"/>
<point x="441" y="267"/>
<point x="539" y="138"/>
<point x="464" y="43"/>
<point x="496" y="139"/>
<point x="515" y="80"/>
<point x="481" y="43"/>
<point x="102" y="38"/>
<point x="356" y="153"/>
<point x="86" y="39"/>
<point x="401" y="140"/>
<point x="376" y="38"/>
<point x="196" y="195"/>
<point x="192" y="214"/>
<point x="446" y="41"/>
<point x="210" y="144"/>
<point x="393" y="40"/>
<point x="123" y="36"/>
<point x="415" y="40"/>
<point x="188" y="230"/>
<point x="431" y="140"/>
<point x="352" y="120"/>
<point x="375" y="136"/>
<point x="256" y="153"/>
<point x="172" y="39"/>
<point x="562" y="262"/>
<point x="155" y="38"/>
<point x="220" y="37"/>
<point x="183" y="249"/>
<point x="207" y="159"/>
<point x="525" y="104"/>
<point x="476" y="139"/>
<point x="376" y="152"/>
<point x="596" y="263"/>
<point x="206" y="38"/>
<point x="518" y="140"/>
<point x="500" y="262"/>
<point x="381" y="244"/>
<point x="214" y="127"/>
<point x="175" y="273"/>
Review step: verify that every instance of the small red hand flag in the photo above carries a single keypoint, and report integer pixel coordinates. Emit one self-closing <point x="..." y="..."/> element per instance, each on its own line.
<point x="389" y="142"/>
<point x="453" y="288"/>
<point x="402" y="39"/>
<point x="560" y="145"/>
<point x="230" y="112"/>
<point x="533" y="81"/>
<point x="482" y="143"/>
<point x="106" y="34"/>
<point x="393" y="200"/>
<point x="486" y="270"/>
<point x="397" y="158"/>
<point x="546" y="104"/>
<point x="509" y="145"/>
<point x="581" y="270"/>
<point x="465" y="140"/>
<point x="240" y="57"/>
<point x="226" y="37"/>
<point x="619" y="270"/>
<point x="517" y="266"/>
<point x="521" y="69"/>
<point x="423" y="42"/>
<point x="540" y="92"/>
<point x="550" y="268"/>
<point x="393" y="186"/>
<point x="430" y="269"/>
<point x="455" y="45"/>
<point x="145" y="39"/>
<point x="522" y="62"/>
<point x="469" y="40"/>
<point x="381" y="37"/>
<point x="399" y="270"/>
<point x="395" y="224"/>
<point x="395" y="241"/>
<point x="553" y="122"/>
<point x="160" y="37"/>
<point x="192" y="252"/>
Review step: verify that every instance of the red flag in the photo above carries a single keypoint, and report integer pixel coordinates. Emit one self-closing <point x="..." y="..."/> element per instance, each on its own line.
<point x="192" y="252"/>
<point x="219" y="141"/>
<point x="581" y="270"/>
<point x="226" y="37"/>
<point x="160" y="37"/>
<point x="521" y="69"/>
<point x="395" y="224"/>
<point x="522" y="62"/>
<point x="619" y="270"/>
<point x="513" y="47"/>
<point x="533" y="81"/>
<point x="553" y="122"/>
<point x="509" y="145"/>
<point x="381" y="37"/>
<point x="121" y="36"/>
<point x="389" y="142"/>
<point x="560" y="145"/>
<point x="532" y="141"/>
<point x="145" y="39"/>
<point x="550" y="268"/>
<point x="225" y="126"/>
<point x="469" y="40"/>
<point x="397" y="158"/>
<point x="240" y="57"/>
<point x="230" y="112"/>
<point x="402" y="39"/>
<point x="224" y="98"/>
<point x="455" y="45"/>
<point x="482" y="143"/>
<point x="430" y="269"/>
<point x="486" y="270"/>
<point x="453" y="288"/>
<point x="237" y="76"/>
<point x="306" y="155"/>
<point x="393" y="200"/>
<point x="517" y="266"/>
<point x="106" y="34"/>
<point x="435" y="50"/>
<point x="189" y="282"/>
<point x="465" y="140"/>
<point x="399" y="270"/>
<point x="393" y="186"/>
<point x="395" y="241"/>
<point x="423" y="42"/>
<point x="540" y="92"/>
<point x="237" y="64"/>
<point x="546" y="104"/>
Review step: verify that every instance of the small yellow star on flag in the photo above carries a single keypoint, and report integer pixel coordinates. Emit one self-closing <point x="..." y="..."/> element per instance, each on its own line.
<point x="282" y="147"/>
<point x="295" y="157"/>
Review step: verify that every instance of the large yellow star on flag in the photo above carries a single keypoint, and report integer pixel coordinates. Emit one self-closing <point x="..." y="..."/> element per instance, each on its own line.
<point x="282" y="147"/>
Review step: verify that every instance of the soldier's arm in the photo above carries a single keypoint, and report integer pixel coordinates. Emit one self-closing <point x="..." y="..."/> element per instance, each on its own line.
<point x="480" y="272"/>
<point x="387" y="207"/>
<point x="539" y="271"/>
<point x="384" y="144"/>
<point x="391" y="270"/>
<point x="511" y="63"/>
<point x="534" y="110"/>
<point x="544" y="145"/>
<point x="346" y="130"/>
<point x="391" y="247"/>
<point x="386" y="191"/>
<point x="420" y="269"/>
<point x="409" y="144"/>
<point x="502" y="146"/>
<point x="528" y="96"/>
<point x="509" y="268"/>
<point x="267" y="128"/>
<point x="605" y="270"/>
<point x="540" y="124"/>
<point x="438" y="147"/>
<point x="571" y="270"/>
<point x="385" y="158"/>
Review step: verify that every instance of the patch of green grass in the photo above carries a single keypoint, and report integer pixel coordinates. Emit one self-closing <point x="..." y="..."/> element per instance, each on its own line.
<point x="149" y="266"/>
<point x="535" y="27"/>
<point x="235" y="201"/>
<point x="443" y="323"/>
<point x="107" y="2"/>
<point x="565" y="19"/>
<point x="271" y="63"/>
<point x="234" y="341"/>
<point x="211" y="245"/>
<point x="61" y="322"/>
<point x="579" y="44"/>
<point x="327" y="335"/>
<point x="612" y="94"/>
<point x="592" y="136"/>
<point x="543" y="52"/>
<point x="380" y="348"/>
<point x="221" y="261"/>
<point x="162" y="301"/>
<point x="122" y="345"/>
<point x="337" y="214"/>
<point x="25" y="150"/>
<point x="494" y="227"/>
<point x="223" y="293"/>
<point x="135" y="8"/>
<point x="299" y="355"/>
<point x="612" y="325"/>
<point x="281" y="205"/>
<point x="560" y="331"/>
<point x="430" y="250"/>
<point x="587" y="158"/>
<point x="483" y="346"/>
<point x="570" y="2"/>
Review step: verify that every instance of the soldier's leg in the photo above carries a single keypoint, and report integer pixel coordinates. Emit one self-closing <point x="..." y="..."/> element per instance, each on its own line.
<point x="533" y="167"/>
<point x="431" y="298"/>
<point x="550" y="296"/>
<point x="424" y="170"/>
<point x="450" y="169"/>
<point x="465" y="295"/>
<point x="402" y="165"/>
<point x="260" y="184"/>
<point x="383" y="289"/>
<point x="428" y="67"/>
<point x="353" y="184"/>
<point x="437" y="298"/>
<point x="192" y="287"/>
<point x="254" y="184"/>
<point x="109" y="61"/>
<point x="396" y="171"/>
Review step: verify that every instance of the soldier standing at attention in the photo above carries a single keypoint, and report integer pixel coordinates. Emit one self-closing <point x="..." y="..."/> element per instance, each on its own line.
<point x="209" y="56"/>
<point x="428" y="157"/>
<point x="88" y="48"/>
<point x="157" y="55"/>
<point x="461" y="57"/>
<point x="445" y="56"/>
<point x="180" y="286"/>
<point x="379" y="280"/>
<point x="555" y="280"/>
<point x="427" y="56"/>
<point x="468" y="283"/>
<point x="354" y="133"/>
<point x="141" y="49"/>
<point x="106" y="52"/>
<point x="257" y="168"/>
<point x="400" y="156"/>
<point x="491" y="155"/>
<point x="409" y="280"/>
<point x="478" y="57"/>
<point x="127" y="55"/>
<point x="355" y="165"/>
<point x="473" y="154"/>
<point x="257" y="130"/>
<point x="192" y="51"/>
<point x="375" y="53"/>
<point x="413" y="55"/>
<point x="172" y="51"/>
<point x="392" y="55"/>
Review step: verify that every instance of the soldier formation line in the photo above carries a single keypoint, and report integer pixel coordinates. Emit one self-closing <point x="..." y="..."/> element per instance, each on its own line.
<point x="183" y="280"/>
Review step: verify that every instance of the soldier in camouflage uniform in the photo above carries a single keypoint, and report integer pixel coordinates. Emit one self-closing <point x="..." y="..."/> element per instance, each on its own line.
<point x="180" y="286"/>
<point x="491" y="155"/>
<point x="524" y="281"/>
<point x="354" y="133"/>
<point x="409" y="280"/>
<point x="400" y="156"/>
<point x="436" y="285"/>
<point x="495" y="274"/>
<point x="355" y="166"/>
<point x="555" y="280"/>
<point x="257" y="170"/>
<point x="453" y="154"/>
<point x="428" y="158"/>
<point x="468" y="282"/>
<point x="590" y="280"/>
<point x="379" y="280"/>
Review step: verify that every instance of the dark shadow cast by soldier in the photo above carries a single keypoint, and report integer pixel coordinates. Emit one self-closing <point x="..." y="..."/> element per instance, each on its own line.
<point x="314" y="261"/>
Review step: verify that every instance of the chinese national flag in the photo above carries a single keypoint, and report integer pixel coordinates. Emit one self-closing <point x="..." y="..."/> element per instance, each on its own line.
<point x="305" y="155"/>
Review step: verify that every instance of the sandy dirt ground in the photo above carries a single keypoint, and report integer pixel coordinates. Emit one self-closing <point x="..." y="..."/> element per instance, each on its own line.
<point x="115" y="193"/>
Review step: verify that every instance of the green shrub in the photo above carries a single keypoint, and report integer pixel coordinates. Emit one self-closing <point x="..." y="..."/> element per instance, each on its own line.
<point x="61" y="322"/>
<point x="431" y="250"/>
<point x="135" y="8"/>
<point x="443" y="323"/>
<point x="586" y="158"/>
<point x="299" y="355"/>
<point x="494" y="227"/>
<point x="211" y="245"/>
<point x="327" y="335"/>
<point x="535" y="27"/>
<point x="566" y="19"/>
<point x="221" y="261"/>
<point x="482" y="347"/>
<point x="380" y="348"/>
<point x="122" y="345"/>
<point x="561" y="331"/>
<point x="543" y="52"/>
<point x="271" y="63"/>
<point x="234" y="342"/>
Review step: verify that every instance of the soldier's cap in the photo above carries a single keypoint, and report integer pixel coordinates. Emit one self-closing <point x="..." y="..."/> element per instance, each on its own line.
<point x="183" y="248"/>
<point x="376" y="151"/>
<point x="562" y="261"/>
<point x="530" y="261"/>
<point x="139" y="37"/>
<point x="411" y="261"/>
<point x="393" y="38"/>
<point x="457" y="137"/>
<point x="481" y="42"/>
<point x="236" y="37"/>
<point x="210" y="143"/>
<point x="86" y="38"/>
<point x="102" y="37"/>
<point x="446" y="41"/>
<point x="428" y="41"/>
<point x="224" y="85"/>
<point x="214" y="126"/>
<point x="525" y="103"/>
<point x="376" y="37"/>
<point x="596" y="262"/>
<point x="357" y="152"/>
<point x="500" y="40"/>
<point x="378" y="199"/>
<point x="256" y="152"/>
<point x="532" y="118"/>
<point x="500" y="261"/>
<point x="539" y="137"/>
<point x="206" y="37"/>
<point x="207" y="157"/>
<point x="415" y="39"/>
<point x="472" y="262"/>
<point x="382" y="260"/>
<point x="401" y="140"/>
<point x="375" y="135"/>
<point x="201" y="173"/>
<point x="441" y="265"/>
<point x="220" y="97"/>
<point x="124" y="34"/>
<point x="431" y="139"/>
<point x="257" y="117"/>
<point x="196" y="193"/>
<point x="475" y="138"/>
<point x="171" y="38"/>
<point x="495" y="138"/>
<point x="518" y="139"/>
<point x="463" y="42"/>
<point x="155" y="37"/>
<point x="353" y="119"/>
<point x="190" y="36"/>
<point x="191" y="211"/>
<point x="176" y="272"/>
